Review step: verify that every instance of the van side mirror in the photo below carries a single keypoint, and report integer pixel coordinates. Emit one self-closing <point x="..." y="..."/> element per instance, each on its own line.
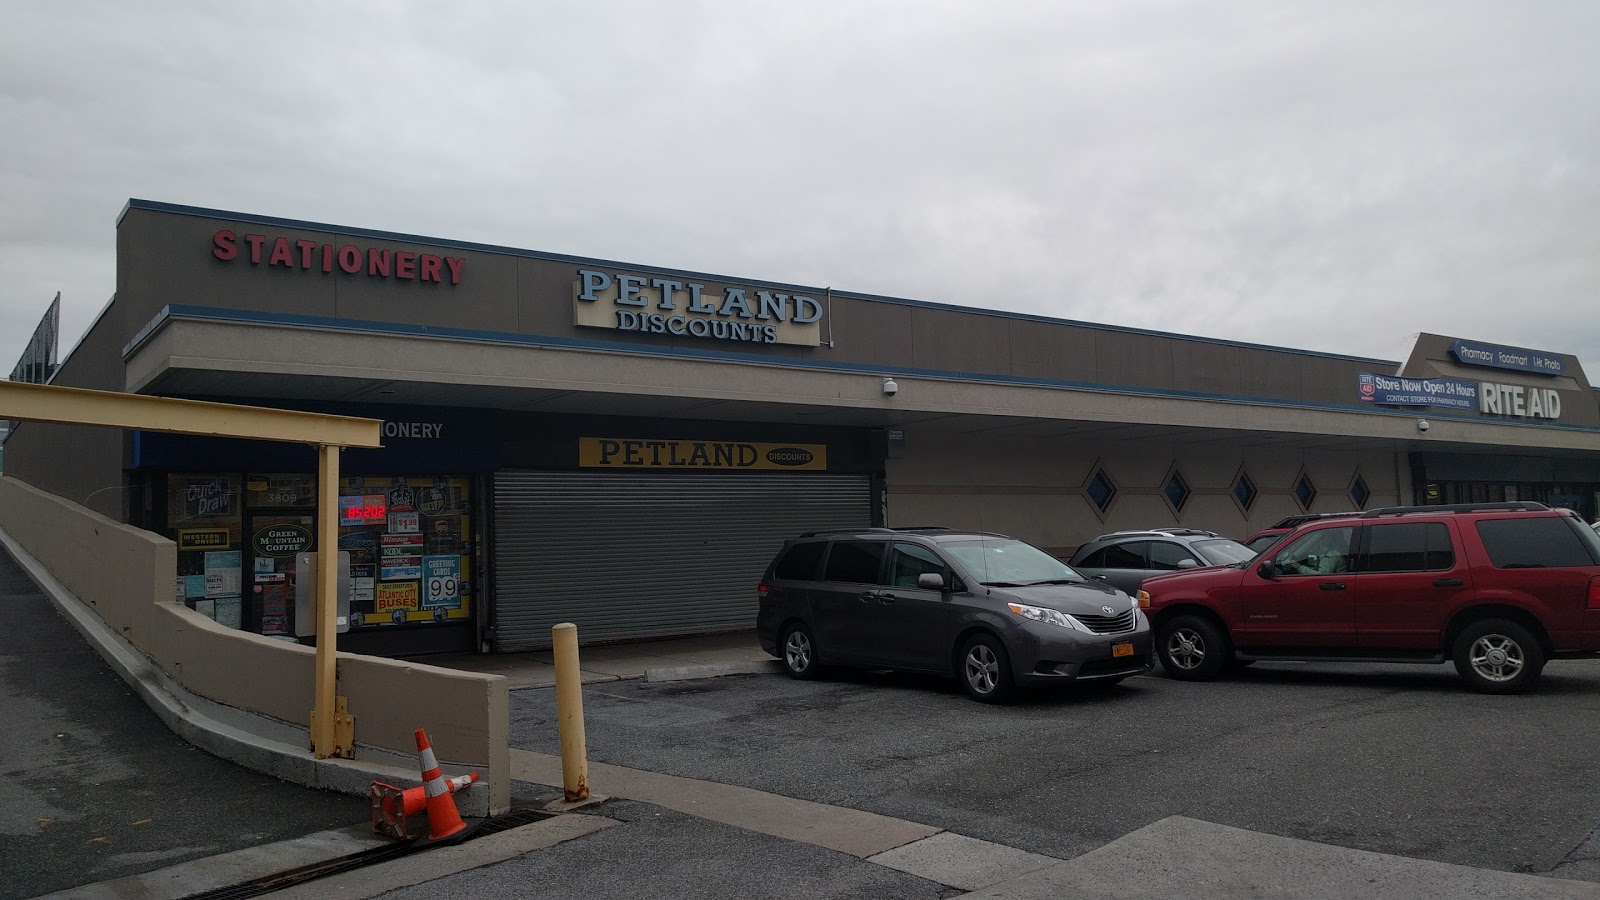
<point x="1267" y="570"/>
<point x="930" y="581"/>
<point x="1188" y="564"/>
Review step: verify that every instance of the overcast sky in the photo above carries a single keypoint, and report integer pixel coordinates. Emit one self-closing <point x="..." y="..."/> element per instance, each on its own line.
<point x="1336" y="176"/>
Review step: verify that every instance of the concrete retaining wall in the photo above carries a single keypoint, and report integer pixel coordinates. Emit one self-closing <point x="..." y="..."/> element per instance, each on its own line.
<point x="126" y="575"/>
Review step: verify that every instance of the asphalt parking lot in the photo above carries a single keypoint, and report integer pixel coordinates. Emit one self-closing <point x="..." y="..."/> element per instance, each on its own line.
<point x="1393" y="759"/>
<point x="94" y="786"/>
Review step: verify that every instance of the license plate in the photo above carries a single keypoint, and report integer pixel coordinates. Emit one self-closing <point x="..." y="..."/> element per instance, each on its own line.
<point x="1123" y="649"/>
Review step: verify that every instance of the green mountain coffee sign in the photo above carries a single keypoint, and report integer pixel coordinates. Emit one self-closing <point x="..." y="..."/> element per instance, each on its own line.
<point x="282" y="540"/>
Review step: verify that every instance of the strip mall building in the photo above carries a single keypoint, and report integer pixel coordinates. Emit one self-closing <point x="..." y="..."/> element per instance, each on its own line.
<point x="624" y="446"/>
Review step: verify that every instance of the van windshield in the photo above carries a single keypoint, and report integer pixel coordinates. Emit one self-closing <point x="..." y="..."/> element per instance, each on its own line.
<point x="1010" y="563"/>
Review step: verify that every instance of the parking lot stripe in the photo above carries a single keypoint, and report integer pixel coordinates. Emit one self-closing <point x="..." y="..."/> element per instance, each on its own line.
<point x="860" y="834"/>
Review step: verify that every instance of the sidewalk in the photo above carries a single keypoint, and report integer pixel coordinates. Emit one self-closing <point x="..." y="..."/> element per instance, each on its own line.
<point x="675" y="659"/>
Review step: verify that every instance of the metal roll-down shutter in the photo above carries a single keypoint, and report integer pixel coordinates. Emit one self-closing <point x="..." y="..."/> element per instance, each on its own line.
<point x="634" y="555"/>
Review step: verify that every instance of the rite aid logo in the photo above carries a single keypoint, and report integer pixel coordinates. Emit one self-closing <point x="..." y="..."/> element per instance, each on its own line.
<point x="1369" y="391"/>
<point x="790" y="456"/>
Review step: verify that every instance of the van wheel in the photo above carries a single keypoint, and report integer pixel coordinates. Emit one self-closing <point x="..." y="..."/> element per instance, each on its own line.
<point x="985" y="670"/>
<point x="799" y="651"/>
<point x="1193" y="648"/>
<point x="1497" y="656"/>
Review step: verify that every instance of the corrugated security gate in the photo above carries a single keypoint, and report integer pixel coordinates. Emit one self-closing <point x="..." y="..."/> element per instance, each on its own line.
<point x="632" y="555"/>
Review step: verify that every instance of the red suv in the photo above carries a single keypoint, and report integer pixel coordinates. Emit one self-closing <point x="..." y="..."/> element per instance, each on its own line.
<point x="1497" y="588"/>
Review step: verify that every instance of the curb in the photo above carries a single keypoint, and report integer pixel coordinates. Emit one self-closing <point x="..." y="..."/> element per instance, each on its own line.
<point x="715" y="670"/>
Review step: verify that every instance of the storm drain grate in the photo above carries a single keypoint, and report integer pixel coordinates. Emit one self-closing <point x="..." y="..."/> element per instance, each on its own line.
<point x="277" y="882"/>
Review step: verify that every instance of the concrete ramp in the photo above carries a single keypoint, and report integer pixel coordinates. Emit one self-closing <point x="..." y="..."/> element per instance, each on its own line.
<point x="1179" y="858"/>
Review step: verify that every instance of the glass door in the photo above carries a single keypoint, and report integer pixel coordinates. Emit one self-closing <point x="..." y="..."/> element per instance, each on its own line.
<point x="273" y="540"/>
<point x="280" y="522"/>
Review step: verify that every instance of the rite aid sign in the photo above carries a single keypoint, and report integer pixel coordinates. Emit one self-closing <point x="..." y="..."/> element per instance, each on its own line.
<point x="1472" y="353"/>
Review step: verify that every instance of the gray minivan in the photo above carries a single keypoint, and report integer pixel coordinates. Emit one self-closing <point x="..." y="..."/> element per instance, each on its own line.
<point x="993" y="611"/>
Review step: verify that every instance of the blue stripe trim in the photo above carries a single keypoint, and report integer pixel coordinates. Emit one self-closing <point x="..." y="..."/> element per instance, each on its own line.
<point x="374" y="234"/>
<point x="253" y="317"/>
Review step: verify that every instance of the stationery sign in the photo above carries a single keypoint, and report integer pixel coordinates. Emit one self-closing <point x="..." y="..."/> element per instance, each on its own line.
<point x="1495" y="356"/>
<point x="1391" y="390"/>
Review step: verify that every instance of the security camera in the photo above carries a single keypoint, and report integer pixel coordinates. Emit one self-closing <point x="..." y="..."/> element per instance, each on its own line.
<point x="890" y="388"/>
<point x="1422" y="424"/>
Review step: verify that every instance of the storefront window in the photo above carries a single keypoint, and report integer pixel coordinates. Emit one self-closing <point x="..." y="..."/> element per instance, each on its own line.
<point x="410" y="544"/>
<point x="410" y="541"/>
<point x="204" y="517"/>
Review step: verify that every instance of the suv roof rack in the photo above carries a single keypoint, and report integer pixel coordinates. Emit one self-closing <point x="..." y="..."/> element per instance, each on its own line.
<point x="878" y="529"/>
<point x="1302" y="518"/>
<point x="1515" y="505"/>
<point x="1159" y="532"/>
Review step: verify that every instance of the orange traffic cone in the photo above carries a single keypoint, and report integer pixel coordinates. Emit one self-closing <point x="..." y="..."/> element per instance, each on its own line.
<point x="444" y="820"/>
<point x="415" y="799"/>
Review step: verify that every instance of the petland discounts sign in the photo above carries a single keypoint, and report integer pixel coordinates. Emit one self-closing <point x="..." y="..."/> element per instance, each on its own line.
<point x="1391" y="390"/>
<point x="656" y="305"/>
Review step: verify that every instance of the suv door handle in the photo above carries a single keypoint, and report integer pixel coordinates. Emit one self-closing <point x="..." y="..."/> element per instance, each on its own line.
<point x="1333" y="585"/>
<point x="866" y="596"/>
<point x="886" y="597"/>
<point x="1448" y="582"/>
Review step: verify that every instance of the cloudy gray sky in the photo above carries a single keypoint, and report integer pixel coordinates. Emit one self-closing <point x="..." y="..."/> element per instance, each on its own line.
<point x="1336" y="176"/>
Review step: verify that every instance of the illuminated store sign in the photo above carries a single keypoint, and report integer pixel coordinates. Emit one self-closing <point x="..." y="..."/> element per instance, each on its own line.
<point x="657" y="305"/>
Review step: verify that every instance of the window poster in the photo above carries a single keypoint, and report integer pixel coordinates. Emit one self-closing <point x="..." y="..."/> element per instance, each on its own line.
<point x="409" y="564"/>
<point x="229" y="612"/>
<point x="441" y="582"/>
<point x="222" y="574"/>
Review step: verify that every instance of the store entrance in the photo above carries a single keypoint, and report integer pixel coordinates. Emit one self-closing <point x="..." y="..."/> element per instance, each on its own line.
<point x="272" y="540"/>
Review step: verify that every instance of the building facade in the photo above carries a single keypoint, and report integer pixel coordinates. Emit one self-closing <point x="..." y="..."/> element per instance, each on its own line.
<point x="626" y="446"/>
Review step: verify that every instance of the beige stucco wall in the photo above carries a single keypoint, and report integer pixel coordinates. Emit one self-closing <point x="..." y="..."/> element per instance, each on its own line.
<point x="1033" y="488"/>
<point x="126" y="575"/>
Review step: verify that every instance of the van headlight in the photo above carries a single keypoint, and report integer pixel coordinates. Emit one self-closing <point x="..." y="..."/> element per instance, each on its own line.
<point x="1047" y="616"/>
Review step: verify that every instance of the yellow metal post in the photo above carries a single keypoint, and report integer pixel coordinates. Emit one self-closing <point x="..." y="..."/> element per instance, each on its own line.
<point x="569" y="713"/>
<point x="325" y="711"/>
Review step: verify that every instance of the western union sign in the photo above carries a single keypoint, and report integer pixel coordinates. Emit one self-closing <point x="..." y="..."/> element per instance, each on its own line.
<point x="630" y="453"/>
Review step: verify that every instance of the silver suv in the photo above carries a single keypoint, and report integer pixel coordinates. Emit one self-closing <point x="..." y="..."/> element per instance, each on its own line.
<point x="1123" y="559"/>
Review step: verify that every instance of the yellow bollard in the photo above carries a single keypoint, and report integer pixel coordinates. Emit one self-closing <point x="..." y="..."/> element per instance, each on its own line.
<point x="569" y="713"/>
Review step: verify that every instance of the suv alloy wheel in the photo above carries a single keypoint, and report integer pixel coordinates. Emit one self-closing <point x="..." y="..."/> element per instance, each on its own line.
<point x="1497" y="656"/>
<point x="1193" y="648"/>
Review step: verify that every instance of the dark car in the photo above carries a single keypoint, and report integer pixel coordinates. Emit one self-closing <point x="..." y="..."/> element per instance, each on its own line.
<point x="1123" y="559"/>
<point x="1498" y="589"/>
<point x="993" y="611"/>
<point x="1266" y="537"/>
